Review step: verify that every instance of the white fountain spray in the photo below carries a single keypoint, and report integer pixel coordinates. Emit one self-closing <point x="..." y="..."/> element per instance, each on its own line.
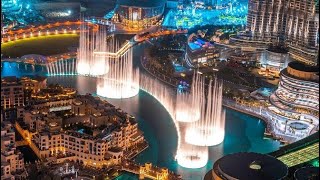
<point x="187" y="155"/>
<point x="192" y="156"/>
<point x="163" y="94"/>
<point x="209" y="130"/>
<point x="87" y="62"/>
<point x="122" y="80"/>
<point x="188" y="105"/>
<point x="61" y="67"/>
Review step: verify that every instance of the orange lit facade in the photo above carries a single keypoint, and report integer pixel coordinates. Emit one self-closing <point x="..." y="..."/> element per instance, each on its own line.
<point x="54" y="139"/>
<point x="139" y="14"/>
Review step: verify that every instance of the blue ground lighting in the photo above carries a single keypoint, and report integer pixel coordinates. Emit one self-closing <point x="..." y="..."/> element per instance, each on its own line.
<point x="183" y="87"/>
<point x="189" y="17"/>
<point x="19" y="12"/>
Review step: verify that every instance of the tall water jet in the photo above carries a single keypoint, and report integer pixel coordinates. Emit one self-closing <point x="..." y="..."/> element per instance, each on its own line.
<point x="191" y="156"/>
<point x="188" y="105"/>
<point x="61" y="67"/>
<point x="122" y="80"/>
<point x="164" y="95"/>
<point x="87" y="62"/>
<point x="209" y="130"/>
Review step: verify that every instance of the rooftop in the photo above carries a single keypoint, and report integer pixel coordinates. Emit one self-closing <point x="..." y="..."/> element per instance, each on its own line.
<point x="303" y="67"/>
<point x="252" y="166"/>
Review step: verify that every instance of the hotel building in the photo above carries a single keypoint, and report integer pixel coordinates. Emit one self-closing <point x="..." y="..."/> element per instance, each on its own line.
<point x="90" y="131"/>
<point x="12" y="97"/>
<point x="12" y="161"/>
<point x="295" y="22"/>
<point x="296" y="101"/>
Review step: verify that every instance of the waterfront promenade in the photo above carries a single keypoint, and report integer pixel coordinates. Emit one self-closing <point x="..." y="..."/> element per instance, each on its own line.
<point x="261" y="112"/>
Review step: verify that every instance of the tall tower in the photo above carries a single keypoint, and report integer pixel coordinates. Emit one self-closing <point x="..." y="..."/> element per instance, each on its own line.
<point x="295" y="22"/>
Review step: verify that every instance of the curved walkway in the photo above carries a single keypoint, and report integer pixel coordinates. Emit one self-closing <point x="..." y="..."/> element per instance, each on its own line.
<point x="45" y="30"/>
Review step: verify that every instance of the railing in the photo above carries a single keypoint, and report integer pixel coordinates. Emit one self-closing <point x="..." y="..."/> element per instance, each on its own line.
<point x="44" y="30"/>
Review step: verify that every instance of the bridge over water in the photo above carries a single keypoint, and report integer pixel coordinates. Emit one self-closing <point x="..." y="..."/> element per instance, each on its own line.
<point x="138" y="39"/>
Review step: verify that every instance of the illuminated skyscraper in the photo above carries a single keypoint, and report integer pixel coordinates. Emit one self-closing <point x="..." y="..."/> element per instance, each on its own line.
<point x="295" y="22"/>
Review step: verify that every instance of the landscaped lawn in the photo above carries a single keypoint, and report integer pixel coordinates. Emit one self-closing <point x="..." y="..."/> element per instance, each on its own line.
<point x="45" y="45"/>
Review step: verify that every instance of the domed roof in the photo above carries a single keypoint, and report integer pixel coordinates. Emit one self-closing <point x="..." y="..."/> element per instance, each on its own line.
<point x="141" y="3"/>
<point x="252" y="166"/>
<point x="303" y="67"/>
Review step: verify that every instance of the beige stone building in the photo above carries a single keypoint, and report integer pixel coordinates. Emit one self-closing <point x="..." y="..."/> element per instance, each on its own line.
<point x="92" y="132"/>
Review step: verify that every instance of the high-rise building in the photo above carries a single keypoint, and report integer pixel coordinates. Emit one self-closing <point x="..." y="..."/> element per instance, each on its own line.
<point x="295" y="22"/>
<point x="295" y="103"/>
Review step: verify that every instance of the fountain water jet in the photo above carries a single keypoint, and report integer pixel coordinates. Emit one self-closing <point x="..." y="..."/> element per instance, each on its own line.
<point x="209" y="130"/>
<point x="164" y="96"/>
<point x="61" y="67"/>
<point x="122" y="80"/>
<point x="191" y="156"/>
<point x="188" y="105"/>
<point x="87" y="62"/>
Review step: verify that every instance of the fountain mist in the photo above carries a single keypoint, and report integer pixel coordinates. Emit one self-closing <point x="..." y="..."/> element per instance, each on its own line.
<point x="191" y="156"/>
<point x="209" y="130"/>
<point x="187" y="155"/>
<point x="163" y="94"/>
<point x="188" y="105"/>
<point x="87" y="62"/>
<point x="122" y="80"/>
<point x="61" y="67"/>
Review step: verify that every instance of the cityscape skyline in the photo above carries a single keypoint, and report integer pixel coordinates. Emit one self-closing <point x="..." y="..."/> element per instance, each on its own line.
<point x="170" y="89"/>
